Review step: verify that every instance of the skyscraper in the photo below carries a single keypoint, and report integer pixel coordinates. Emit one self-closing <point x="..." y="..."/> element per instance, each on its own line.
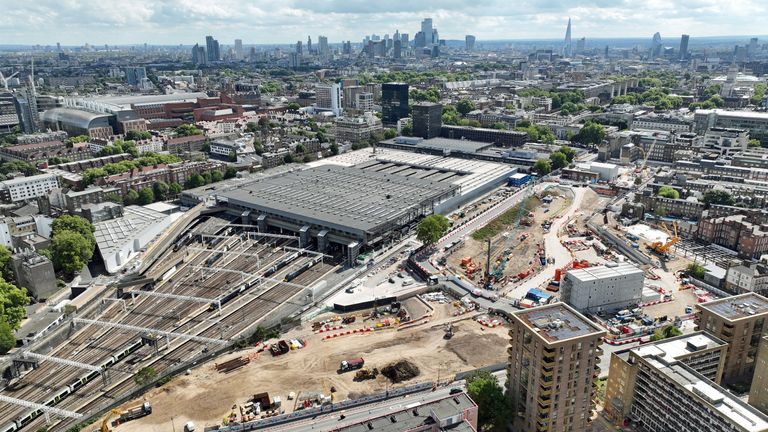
<point x="309" y="44"/>
<point x="299" y="48"/>
<point x="426" y="26"/>
<point x="684" y="47"/>
<point x="26" y="110"/>
<point x="212" y="49"/>
<point x="134" y="74"/>
<point x="394" y="102"/>
<point x="323" y="46"/>
<point x="397" y="49"/>
<point x="656" y="45"/>
<point x="427" y="119"/>
<point x="567" y="47"/>
<point x="469" y="42"/>
<point x="752" y="47"/>
<point x="239" y="49"/>
<point x="199" y="56"/>
<point x="581" y="45"/>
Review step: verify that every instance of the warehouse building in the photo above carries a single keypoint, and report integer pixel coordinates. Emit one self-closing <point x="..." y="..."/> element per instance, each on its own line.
<point x="603" y="288"/>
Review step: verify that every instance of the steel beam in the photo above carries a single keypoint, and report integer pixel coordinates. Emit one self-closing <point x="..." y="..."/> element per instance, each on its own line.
<point x="137" y="329"/>
<point x="45" y="408"/>
<point x="30" y="355"/>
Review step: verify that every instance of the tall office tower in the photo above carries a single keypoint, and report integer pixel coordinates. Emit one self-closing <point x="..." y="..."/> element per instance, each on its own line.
<point x="740" y="321"/>
<point x="394" y="102"/>
<point x="427" y="119"/>
<point x="404" y="39"/>
<point x="435" y="37"/>
<point x="567" y="47"/>
<point x="752" y="47"/>
<point x="212" y="49"/>
<point x="199" y="56"/>
<point x="389" y="43"/>
<point x="299" y="48"/>
<point x="684" y="46"/>
<point x="134" y="75"/>
<point x="323" y="46"/>
<point x="328" y="97"/>
<point x="671" y="385"/>
<point x="552" y="372"/>
<point x="398" y="49"/>
<point x="396" y="36"/>
<point x="58" y="45"/>
<point x="239" y="49"/>
<point x="26" y="110"/>
<point x="347" y="47"/>
<point x="294" y="60"/>
<point x="469" y="42"/>
<point x="419" y="41"/>
<point x="309" y="45"/>
<point x="581" y="45"/>
<point x="426" y="27"/>
<point x="656" y="45"/>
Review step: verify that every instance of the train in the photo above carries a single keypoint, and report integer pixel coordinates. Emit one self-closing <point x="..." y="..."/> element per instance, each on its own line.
<point x="73" y="387"/>
<point x="281" y="264"/>
<point x="230" y="295"/>
<point x="292" y="275"/>
<point x="183" y="242"/>
<point x="216" y="256"/>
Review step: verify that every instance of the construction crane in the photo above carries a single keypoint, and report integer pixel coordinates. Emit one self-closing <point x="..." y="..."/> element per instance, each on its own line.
<point x="646" y="155"/>
<point x="5" y="79"/>
<point x="662" y="248"/>
<point x="105" y="422"/>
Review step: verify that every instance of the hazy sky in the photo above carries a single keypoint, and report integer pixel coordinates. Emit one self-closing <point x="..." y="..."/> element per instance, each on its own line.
<point x="75" y="22"/>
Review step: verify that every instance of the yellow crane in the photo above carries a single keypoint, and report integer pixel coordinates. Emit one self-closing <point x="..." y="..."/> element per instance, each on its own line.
<point x="105" y="422"/>
<point x="662" y="248"/>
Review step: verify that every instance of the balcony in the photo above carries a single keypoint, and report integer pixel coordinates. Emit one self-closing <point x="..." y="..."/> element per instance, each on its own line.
<point x="547" y="372"/>
<point x="544" y="400"/>
<point x="545" y="392"/>
<point x="599" y="351"/>
<point x="548" y="362"/>
<point x="544" y="412"/>
<point x="542" y="426"/>
<point x="546" y="383"/>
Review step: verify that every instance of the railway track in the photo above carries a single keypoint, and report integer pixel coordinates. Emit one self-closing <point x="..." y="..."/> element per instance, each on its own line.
<point x="92" y="344"/>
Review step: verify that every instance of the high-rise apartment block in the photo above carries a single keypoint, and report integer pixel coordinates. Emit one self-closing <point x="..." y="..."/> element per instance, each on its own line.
<point x="671" y="385"/>
<point x="427" y="119"/>
<point x="328" y="98"/>
<point x="684" y="46"/>
<point x="758" y="396"/>
<point x="469" y="42"/>
<point x="394" y="102"/>
<point x="553" y="368"/>
<point x="739" y="321"/>
<point x="212" y="49"/>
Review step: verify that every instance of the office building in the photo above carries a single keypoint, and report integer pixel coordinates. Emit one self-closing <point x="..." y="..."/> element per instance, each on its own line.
<point x="26" y="110"/>
<point x="469" y="42"/>
<point x="199" y="56"/>
<point x="568" y="46"/>
<point x="552" y="372"/>
<point x="427" y="119"/>
<point x="739" y="321"/>
<point x="755" y="122"/>
<point x="581" y="45"/>
<point x="656" y="46"/>
<point x="323" y="47"/>
<point x="671" y="385"/>
<point x="350" y="96"/>
<point x="610" y="287"/>
<point x="328" y="98"/>
<point x="299" y="48"/>
<point x="725" y="141"/>
<point x="309" y="44"/>
<point x="238" y="49"/>
<point x="356" y="130"/>
<point x="364" y="102"/>
<point x="212" y="49"/>
<point x="134" y="75"/>
<point x="758" y="396"/>
<point x="684" y="47"/>
<point x="397" y="51"/>
<point x="394" y="102"/>
<point x="498" y="137"/>
<point x="25" y="188"/>
<point x="426" y="30"/>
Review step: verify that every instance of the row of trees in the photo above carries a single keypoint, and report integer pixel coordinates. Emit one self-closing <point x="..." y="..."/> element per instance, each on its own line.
<point x="12" y="302"/>
<point x="149" y="159"/>
<point x="559" y="99"/>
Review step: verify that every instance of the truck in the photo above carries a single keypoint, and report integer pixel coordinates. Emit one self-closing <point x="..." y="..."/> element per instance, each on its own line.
<point x="133" y="413"/>
<point x="352" y="364"/>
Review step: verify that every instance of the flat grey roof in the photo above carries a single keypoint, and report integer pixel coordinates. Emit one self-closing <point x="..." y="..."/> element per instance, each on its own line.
<point x="112" y="234"/>
<point x="453" y="145"/>
<point x="603" y="272"/>
<point x="737" y="307"/>
<point x="336" y="196"/>
<point x="672" y="349"/>
<point x="558" y="322"/>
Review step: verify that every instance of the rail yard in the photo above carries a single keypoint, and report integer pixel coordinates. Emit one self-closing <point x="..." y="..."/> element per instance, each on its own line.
<point x="244" y="275"/>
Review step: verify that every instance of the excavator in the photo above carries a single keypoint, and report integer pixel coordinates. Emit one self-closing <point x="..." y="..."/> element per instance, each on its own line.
<point x="105" y="422"/>
<point x="662" y="248"/>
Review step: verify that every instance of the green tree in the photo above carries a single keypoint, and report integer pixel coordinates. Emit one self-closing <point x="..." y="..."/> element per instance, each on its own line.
<point x="718" y="196"/>
<point x="592" y="133"/>
<point x="131" y="197"/>
<point x="7" y="339"/>
<point x="465" y="106"/>
<point x="146" y="196"/>
<point x="558" y="160"/>
<point x="300" y="148"/>
<point x="175" y="189"/>
<point x="667" y="332"/>
<point x="114" y="197"/>
<point x="754" y="142"/>
<point x="145" y="375"/>
<point x="293" y="106"/>
<point x="71" y="251"/>
<point x="160" y="190"/>
<point x="493" y="407"/>
<point x="187" y="129"/>
<point x="216" y="176"/>
<point x="251" y="127"/>
<point x="569" y="153"/>
<point x="669" y="192"/>
<point x="334" y="149"/>
<point x="500" y="126"/>
<point x="696" y="271"/>
<point x="133" y="135"/>
<point x="288" y="158"/>
<point x="432" y="228"/>
<point x="232" y="156"/>
<point x="6" y="269"/>
<point x="407" y="129"/>
<point x="74" y="223"/>
<point x="12" y="302"/>
<point x="542" y="167"/>
<point x="389" y="133"/>
<point x="194" y="181"/>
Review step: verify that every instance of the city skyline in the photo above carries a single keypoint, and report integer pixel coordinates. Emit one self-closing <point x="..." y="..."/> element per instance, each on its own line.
<point x="173" y="22"/>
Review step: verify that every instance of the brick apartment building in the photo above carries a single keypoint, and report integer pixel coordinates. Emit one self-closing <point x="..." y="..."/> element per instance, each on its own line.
<point x="736" y="232"/>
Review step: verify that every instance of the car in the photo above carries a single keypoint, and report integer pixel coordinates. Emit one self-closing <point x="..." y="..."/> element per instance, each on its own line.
<point x="689" y="309"/>
<point x="391" y="280"/>
<point x="455" y="390"/>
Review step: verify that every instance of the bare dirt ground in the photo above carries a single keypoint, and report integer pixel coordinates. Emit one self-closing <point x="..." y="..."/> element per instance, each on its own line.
<point x="521" y="251"/>
<point x="206" y="396"/>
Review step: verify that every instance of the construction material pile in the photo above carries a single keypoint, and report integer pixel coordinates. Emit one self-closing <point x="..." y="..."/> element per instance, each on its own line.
<point x="401" y="371"/>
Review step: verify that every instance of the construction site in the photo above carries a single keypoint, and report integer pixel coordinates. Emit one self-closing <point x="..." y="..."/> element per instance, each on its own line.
<point x="337" y="357"/>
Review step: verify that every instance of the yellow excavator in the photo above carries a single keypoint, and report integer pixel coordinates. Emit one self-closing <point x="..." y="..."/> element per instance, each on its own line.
<point x="662" y="248"/>
<point x="105" y="422"/>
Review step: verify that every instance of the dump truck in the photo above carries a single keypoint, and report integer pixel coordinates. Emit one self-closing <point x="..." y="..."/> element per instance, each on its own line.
<point x="348" y="365"/>
<point x="133" y="413"/>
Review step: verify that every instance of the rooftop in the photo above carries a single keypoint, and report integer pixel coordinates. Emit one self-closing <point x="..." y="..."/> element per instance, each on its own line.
<point x="737" y="307"/>
<point x="558" y="322"/>
<point x="603" y="272"/>
<point x="343" y="197"/>
<point x="451" y="145"/>
<point x="675" y="348"/>
<point x="113" y="233"/>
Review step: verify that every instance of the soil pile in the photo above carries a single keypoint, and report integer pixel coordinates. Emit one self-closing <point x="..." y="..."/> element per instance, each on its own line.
<point x="401" y="371"/>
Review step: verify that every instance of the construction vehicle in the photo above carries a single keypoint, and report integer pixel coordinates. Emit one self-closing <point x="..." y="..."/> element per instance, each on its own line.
<point x="348" y="365"/>
<point x="662" y="248"/>
<point x="132" y="413"/>
<point x="448" y="331"/>
<point x="366" y="374"/>
<point x="105" y="423"/>
<point x="348" y="319"/>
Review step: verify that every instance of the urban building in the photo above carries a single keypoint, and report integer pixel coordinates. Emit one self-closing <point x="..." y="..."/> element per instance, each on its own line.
<point x="755" y="122"/>
<point x="365" y="102"/>
<point x="684" y="46"/>
<point x="26" y="109"/>
<point x="610" y="287"/>
<point x="35" y="273"/>
<point x="135" y="74"/>
<point x="725" y="141"/>
<point x="553" y="368"/>
<point x="27" y="188"/>
<point x="737" y="232"/>
<point x="328" y="98"/>
<point x="469" y="43"/>
<point x="739" y="321"/>
<point x="350" y="95"/>
<point x="212" y="49"/>
<point x="41" y="152"/>
<point x="758" y="397"/>
<point x="427" y="119"/>
<point x="746" y="277"/>
<point x="500" y="138"/>
<point x="356" y="130"/>
<point x="672" y="385"/>
<point x="394" y="102"/>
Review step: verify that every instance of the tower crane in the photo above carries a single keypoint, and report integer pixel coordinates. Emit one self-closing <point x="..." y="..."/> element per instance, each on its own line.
<point x="5" y="79"/>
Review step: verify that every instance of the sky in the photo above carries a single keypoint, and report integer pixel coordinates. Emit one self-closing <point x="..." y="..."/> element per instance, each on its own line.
<point x="171" y="22"/>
